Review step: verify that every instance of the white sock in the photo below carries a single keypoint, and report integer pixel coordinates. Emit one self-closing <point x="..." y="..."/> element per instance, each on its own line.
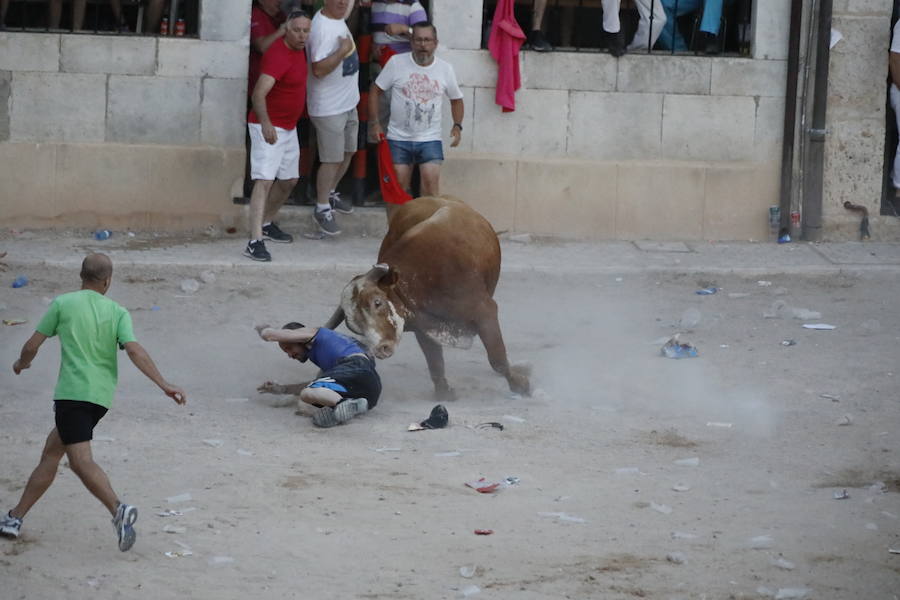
<point x="322" y="207"/>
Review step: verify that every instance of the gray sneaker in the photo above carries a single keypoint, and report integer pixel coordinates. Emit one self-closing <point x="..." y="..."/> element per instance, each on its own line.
<point x="340" y="204"/>
<point x="325" y="220"/>
<point x="349" y="408"/>
<point x="123" y="522"/>
<point x="10" y="526"/>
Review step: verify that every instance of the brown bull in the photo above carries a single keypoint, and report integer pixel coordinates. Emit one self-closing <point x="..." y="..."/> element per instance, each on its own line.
<point x="437" y="269"/>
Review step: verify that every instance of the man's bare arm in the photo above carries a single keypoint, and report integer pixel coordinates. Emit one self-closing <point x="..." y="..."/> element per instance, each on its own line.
<point x="288" y="336"/>
<point x="332" y="61"/>
<point x="145" y="364"/>
<point x="29" y="351"/>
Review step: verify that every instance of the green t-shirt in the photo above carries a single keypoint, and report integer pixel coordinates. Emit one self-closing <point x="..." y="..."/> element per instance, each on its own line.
<point x="89" y="326"/>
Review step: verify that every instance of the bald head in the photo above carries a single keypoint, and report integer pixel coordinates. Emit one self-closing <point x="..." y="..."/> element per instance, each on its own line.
<point x="96" y="269"/>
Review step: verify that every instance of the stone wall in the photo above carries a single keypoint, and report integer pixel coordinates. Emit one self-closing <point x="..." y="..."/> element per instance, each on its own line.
<point x="124" y="130"/>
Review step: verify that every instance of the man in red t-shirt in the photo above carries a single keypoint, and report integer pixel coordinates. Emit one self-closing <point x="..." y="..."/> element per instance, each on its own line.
<point x="266" y="25"/>
<point x="278" y="101"/>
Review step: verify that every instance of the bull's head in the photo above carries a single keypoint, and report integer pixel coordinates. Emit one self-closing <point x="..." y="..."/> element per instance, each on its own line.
<point x="372" y="310"/>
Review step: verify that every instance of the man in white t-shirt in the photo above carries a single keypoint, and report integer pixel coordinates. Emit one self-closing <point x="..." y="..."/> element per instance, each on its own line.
<point x="417" y="82"/>
<point x="894" y="70"/>
<point x="332" y="96"/>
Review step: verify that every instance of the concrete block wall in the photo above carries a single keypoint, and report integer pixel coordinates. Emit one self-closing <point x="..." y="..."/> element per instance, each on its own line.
<point x="637" y="147"/>
<point x="124" y="127"/>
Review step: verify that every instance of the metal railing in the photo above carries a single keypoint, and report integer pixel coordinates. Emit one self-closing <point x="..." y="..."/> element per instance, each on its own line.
<point x="122" y="17"/>
<point x="576" y="26"/>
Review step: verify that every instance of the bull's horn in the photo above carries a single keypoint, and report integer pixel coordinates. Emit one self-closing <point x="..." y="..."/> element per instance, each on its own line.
<point x="377" y="272"/>
<point x="335" y="319"/>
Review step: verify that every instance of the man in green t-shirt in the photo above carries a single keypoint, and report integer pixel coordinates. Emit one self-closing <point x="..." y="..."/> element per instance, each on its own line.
<point x="89" y="326"/>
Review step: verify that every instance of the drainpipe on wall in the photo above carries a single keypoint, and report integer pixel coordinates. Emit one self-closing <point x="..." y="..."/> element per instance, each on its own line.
<point x="812" y="193"/>
<point x="790" y="116"/>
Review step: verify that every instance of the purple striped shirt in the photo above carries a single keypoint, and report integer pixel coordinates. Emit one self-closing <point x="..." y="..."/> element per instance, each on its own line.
<point x="405" y="12"/>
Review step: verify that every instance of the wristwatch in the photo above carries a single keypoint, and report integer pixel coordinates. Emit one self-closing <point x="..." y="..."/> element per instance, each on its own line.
<point x="458" y="125"/>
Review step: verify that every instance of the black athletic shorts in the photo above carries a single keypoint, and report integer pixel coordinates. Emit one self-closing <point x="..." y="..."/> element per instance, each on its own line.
<point x="75" y="420"/>
<point x="352" y="377"/>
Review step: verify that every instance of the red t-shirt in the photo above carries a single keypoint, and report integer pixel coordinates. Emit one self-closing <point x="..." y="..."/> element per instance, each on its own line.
<point x="287" y="98"/>
<point x="261" y="25"/>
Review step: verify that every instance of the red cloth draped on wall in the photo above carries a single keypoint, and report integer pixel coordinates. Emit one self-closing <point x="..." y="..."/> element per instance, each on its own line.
<point x="506" y="39"/>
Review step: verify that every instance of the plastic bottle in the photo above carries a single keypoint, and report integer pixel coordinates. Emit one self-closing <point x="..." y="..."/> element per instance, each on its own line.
<point x="774" y="222"/>
<point x="102" y="234"/>
<point x="20" y="281"/>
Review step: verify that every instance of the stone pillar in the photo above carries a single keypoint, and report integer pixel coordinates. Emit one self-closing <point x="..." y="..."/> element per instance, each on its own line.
<point x="458" y="23"/>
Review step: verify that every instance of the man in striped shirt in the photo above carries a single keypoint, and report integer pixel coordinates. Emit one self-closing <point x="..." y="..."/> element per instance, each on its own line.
<point x="391" y="26"/>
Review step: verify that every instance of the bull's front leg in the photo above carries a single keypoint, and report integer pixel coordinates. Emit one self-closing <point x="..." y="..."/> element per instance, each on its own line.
<point x="434" y="357"/>
<point x="489" y="332"/>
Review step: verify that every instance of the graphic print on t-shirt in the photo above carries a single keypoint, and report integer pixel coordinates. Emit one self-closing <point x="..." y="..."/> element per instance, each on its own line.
<point x="421" y="95"/>
<point x="350" y="65"/>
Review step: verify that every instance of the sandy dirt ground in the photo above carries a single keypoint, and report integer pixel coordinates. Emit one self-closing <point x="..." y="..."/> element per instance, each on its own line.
<point x="638" y="476"/>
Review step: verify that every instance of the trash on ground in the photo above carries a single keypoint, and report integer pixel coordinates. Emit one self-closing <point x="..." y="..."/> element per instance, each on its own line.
<point x="681" y="535"/>
<point x="243" y="452"/>
<point x="761" y="542"/>
<point x="484" y="486"/>
<point x="207" y="277"/>
<point x="690" y="318"/>
<point x="561" y="516"/>
<point x="174" y="529"/>
<point x="661" y="508"/>
<point x="469" y="590"/>
<point x="788" y="343"/>
<point x="175" y="513"/>
<point x="845" y="420"/>
<point x="438" y="419"/>
<point x="484" y="531"/>
<point x="894" y="550"/>
<point x="511" y="480"/>
<point x="805" y="314"/>
<point x="677" y="558"/>
<point x="513" y="419"/>
<point x="681" y="487"/>
<point x="189" y="286"/>
<point x="791" y="593"/>
<point x="214" y="443"/>
<point x="832" y="397"/>
<point x="490" y="425"/>
<point x="102" y="234"/>
<point x="783" y="564"/>
<point x="629" y="471"/>
<point x="719" y="424"/>
<point x="179" y="498"/>
<point x="763" y="283"/>
<point x="445" y="454"/>
<point x="20" y="281"/>
<point x="316" y="235"/>
<point x="14" y="321"/>
<point x="879" y="487"/>
<point x="468" y="571"/>
<point x="688" y="462"/>
<point x="675" y="349"/>
<point x="707" y="291"/>
<point x="819" y="326"/>
<point x="178" y="553"/>
<point x="388" y="449"/>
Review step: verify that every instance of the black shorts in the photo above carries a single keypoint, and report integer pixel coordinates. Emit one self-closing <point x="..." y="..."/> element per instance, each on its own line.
<point x="352" y="377"/>
<point x="75" y="420"/>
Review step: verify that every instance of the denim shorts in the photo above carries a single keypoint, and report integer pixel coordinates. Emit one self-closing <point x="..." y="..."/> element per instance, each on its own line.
<point x="416" y="153"/>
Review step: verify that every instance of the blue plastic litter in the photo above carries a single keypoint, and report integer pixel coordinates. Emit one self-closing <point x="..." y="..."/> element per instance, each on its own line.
<point x="674" y="349"/>
<point x="102" y="234"/>
<point x="707" y="291"/>
<point x="20" y="281"/>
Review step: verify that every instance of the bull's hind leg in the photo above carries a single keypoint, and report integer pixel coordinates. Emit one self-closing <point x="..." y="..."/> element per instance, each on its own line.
<point x="489" y="332"/>
<point x="434" y="357"/>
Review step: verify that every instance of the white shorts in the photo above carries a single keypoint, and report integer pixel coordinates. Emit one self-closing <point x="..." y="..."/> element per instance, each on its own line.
<point x="280" y="160"/>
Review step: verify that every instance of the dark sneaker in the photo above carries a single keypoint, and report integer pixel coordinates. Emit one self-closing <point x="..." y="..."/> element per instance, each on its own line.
<point x="538" y="42"/>
<point x="342" y="205"/>
<point x="10" y="526"/>
<point x="325" y="220"/>
<point x="123" y="522"/>
<point x="615" y="42"/>
<point x="274" y="233"/>
<point x="256" y="249"/>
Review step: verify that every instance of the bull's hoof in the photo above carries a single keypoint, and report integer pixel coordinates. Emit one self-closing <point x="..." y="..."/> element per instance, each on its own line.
<point x="519" y="383"/>
<point x="444" y="393"/>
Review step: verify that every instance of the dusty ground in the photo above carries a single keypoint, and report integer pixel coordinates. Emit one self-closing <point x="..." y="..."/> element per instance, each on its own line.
<point x="369" y="510"/>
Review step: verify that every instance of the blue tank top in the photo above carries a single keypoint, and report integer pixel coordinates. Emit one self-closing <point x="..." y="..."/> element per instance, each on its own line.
<point x="329" y="347"/>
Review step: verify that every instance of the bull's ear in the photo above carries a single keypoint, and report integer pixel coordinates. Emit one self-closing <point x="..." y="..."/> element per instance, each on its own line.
<point x="377" y="272"/>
